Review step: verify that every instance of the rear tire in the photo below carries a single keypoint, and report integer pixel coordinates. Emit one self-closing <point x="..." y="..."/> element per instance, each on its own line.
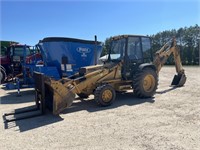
<point x="3" y="68"/>
<point x="104" y="95"/>
<point x="2" y="75"/>
<point x="145" y="83"/>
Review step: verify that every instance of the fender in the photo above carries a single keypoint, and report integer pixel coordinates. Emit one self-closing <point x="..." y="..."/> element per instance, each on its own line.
<point x="147" y="65"/>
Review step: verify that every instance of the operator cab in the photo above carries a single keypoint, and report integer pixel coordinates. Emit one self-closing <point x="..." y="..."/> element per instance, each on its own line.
<point x="132" y="50"/>
<point x="131" y="47"/>
<point x="18" y="53"/>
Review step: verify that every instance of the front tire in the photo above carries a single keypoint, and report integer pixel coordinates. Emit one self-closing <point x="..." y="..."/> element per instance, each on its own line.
<point x="104" y="95"/>
<point x="145" y="83"/>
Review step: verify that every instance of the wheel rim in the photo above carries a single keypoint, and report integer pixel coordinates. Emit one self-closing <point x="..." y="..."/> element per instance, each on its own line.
<point x="107" y="96"/>
<point x="149" y="83"/>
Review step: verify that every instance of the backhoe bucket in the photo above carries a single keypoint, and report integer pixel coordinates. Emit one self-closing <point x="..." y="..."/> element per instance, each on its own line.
<point x="56" y="96"/>
<point x="179" y="80"/>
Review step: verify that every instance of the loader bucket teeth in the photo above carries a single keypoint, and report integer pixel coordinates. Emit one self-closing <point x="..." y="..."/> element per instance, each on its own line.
<point x="179" y="80"/>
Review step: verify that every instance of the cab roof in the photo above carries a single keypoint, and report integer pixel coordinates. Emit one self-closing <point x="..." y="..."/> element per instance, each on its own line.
<point x="126" y="36"/>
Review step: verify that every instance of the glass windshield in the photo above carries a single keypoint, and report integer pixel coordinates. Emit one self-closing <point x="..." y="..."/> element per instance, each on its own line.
<point x="117" y="49"/>
<point x="19" y="51"/>
<point x="3" y="50"/>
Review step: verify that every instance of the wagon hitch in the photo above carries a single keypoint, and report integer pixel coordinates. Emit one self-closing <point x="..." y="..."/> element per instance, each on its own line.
<point x="37" y="110"/>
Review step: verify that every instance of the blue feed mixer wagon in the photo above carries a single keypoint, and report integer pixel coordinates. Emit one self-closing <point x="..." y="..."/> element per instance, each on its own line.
<point x="59" y="57"/>
<point x="67" y="55"/>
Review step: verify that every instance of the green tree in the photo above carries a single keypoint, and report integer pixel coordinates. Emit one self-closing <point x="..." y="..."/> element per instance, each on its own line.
<point x="187" y="40"/>
<point x="106" y="46"/>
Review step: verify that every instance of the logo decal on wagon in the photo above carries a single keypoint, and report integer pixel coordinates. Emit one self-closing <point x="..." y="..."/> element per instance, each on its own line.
<point x="83" y="50"/>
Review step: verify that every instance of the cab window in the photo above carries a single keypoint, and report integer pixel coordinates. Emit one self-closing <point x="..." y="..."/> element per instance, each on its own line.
<point x="146" y="48"/>
<point x="134" y="48"/>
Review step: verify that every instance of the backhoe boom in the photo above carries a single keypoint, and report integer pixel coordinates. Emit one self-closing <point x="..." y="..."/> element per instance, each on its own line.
<point x="163" y="54"/>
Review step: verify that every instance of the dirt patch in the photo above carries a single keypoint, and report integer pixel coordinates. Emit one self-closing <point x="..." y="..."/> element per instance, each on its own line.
<point x="170" y="120"/>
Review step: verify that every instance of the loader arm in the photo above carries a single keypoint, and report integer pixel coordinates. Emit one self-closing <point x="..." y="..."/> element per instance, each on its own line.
<point x="64" y="90"/>
<point x="161" y="56"/>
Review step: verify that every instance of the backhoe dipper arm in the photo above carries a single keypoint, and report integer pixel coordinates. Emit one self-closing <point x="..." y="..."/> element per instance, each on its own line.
<point x="163" y="54"/>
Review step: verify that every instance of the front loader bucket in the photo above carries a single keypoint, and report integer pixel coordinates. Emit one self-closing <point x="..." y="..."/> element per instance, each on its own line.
<point x="179" y="80"/>
<point x="57" y="96"/>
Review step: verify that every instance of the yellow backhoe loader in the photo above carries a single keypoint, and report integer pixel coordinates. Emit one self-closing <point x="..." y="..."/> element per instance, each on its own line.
<point x="129" y="65"/>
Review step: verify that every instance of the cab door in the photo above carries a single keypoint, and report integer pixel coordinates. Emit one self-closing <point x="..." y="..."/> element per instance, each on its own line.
<point x="133" y="56"/>
<point x="146" y="50"/>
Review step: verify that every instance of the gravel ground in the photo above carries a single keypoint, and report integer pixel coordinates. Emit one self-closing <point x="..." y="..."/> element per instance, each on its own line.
<point x="170" y="120"/>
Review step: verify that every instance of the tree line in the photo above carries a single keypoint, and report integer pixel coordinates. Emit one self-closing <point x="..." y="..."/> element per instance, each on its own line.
<point x="188" y="40"/>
